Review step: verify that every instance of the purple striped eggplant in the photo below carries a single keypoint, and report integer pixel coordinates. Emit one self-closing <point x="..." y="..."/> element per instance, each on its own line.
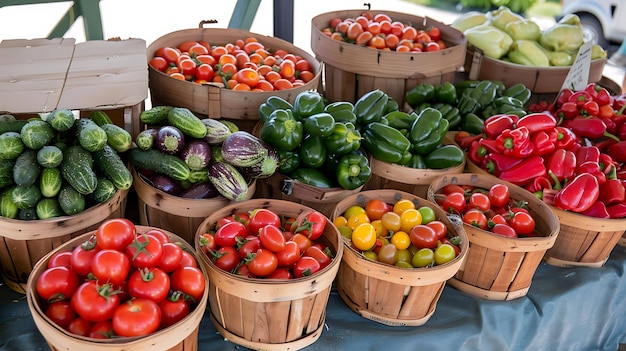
<point x="228" y="181"/>
<point x="243" y="149"/>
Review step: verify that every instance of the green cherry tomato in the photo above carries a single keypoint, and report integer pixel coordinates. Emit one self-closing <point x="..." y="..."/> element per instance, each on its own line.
<point x="370" y="255"/>
<point x="403" y="264"/>
<point x="423" y="258"/>
<point x="404" y="255"/>
<point x="428" y="214"/>
<point x="444" y="253"/>
<point x="388" y="254"/>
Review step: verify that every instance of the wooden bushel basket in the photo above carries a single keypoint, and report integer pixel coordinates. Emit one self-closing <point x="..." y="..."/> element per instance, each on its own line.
<point x="350" y="70"/>
<point x="183" y="216"/>
<point x="269" y="314"/>
<point x="388" y="294"/>
<point x="182" y="336"/>
<point x="23" y="243"/>
<point x="213" y="100"/>
<point x="498" y="267"/>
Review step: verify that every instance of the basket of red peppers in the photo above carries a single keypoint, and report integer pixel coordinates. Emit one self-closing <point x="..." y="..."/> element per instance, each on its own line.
<point x="571" y="156"/>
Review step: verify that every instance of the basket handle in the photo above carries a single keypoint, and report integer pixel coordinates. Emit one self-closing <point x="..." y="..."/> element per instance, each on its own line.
<point x="203" y="22"/>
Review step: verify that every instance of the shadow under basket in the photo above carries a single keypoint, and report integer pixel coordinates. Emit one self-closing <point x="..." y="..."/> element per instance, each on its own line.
<point x="498" y="267"/>
<point x="388" y="294"/>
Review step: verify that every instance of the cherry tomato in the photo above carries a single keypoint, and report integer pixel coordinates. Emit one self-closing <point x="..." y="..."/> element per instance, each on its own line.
<point x="428" y="214"/>
<point x="375" y="209"/>
<point x="523" y="223"/>
<point x="149" y="283"/>
<point x="115" y="234"/>
<point x="281" y="273"/>
<point x="444" y="253"/>
<point x="80" y="326"/>
<point x="310" y="223"/>
<point x="324" y="257"/>
<point x="499" y="195"/>
<point x="391" y="221"/>
<point x="364" y="237"/>
<point x="423" y="236"/>
<point x="137" y="317"/>
<point x="158" y="63"/>
<point x="305" y="267"/>
<point x="82" y="256"/>
<point x="434" y="33"/>
<point x="102" y="330"/>
<point x="61" y="258"/>
<point x="454" y="203"/>
<point x="190" y="281"/>
<point x="403" y="205"/>
<point x="272" y="238"/>
<point x="423" y="258"/>
<point x="401" y="240"/>
<point x="145" y="252"/>
<point x="475" y="218"/>
<point x="226" y="258"/>
<point x="388" y="254"/>
<point x="479" y="201"/>
<point x="188" y="260"/>
<point x="250" y="245"/>
<point x="452" y="188"/>
<point x="504" y="230"/>
<point x="95" y="302"/>
<point x="227" y="234"/>
<point x="207" y="243"/>
<point x="410" y="218"/>
<point x="439" y="227"/>
<point x="173" y="309"/>
<point x="260" y="218"/>
<point x="110" y="266"/>
<point x="159" y="234"/>
<point x="61" y="313"/>
<point x="289" y="255"/>
<point x="356" y="219"/>
<point x="56" y="283"/>
<point x="172" y="255"/>
<point x="302" y="240"/>
<point x="204" y="72"/>
<point x="263" y="263"/>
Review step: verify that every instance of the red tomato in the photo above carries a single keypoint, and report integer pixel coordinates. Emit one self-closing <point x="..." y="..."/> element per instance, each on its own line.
<point x="324" y="257"/>
<point x="454" y="203"/>
<point x="281" y="273"/>
<point x="158" y="63"/>
<point x="95" y="302"/>
<point x="499" y="195"/>
<point x="497" y="219"/>
<point x="375" y="209"/>
<point x="190" y="281"/>
<point x="504" y="230"/>
<point x="137" y="317"/>
<point x="102" y="330"/>
<point x="478" y="200"/>
<point x="205" y="72"/>
<point x="434" y="33"/>
<point x="310" y="223"/>
<point x="61" y="313"/>
<point x="272" y="238"/>
<point x="61" y="258"/>
<point x="173" y="309"/>
<point x="227" y="234"/>
<point x="452" y="188"/>
<point x="302" y="240"/>
<point x="82" y="256"/>
<point x="80" y="326"/>
<point x="115" y="234"/>
<point x="263" y="263"/>
<point x="423" y="236"/>
<point x="110" y="266"/>
<point x="261" y="218"/>
<point x="159" y="234"/>
<point x="56" y="283"/>
<point x="207" y="243"/>
<point x="523" y="223"/>
<point x="289" y="255"/>
<point x="305" y="267"/>
<point x="188" y="260"/>
<point x="145" y="252"/>
<point x="249" y="246"/>
<point x="439" y="227"/>
<point x="172" y="255"/>
<point x="149" y="283"/>
<point x="244" y="271"/>
<point x="475" y="218"/>
<point x="169" y="54"/>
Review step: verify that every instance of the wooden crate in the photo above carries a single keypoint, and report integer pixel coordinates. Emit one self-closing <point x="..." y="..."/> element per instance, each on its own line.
<point x="24" y="243"/>
<point x="350" y="70"/>
<point x="182" y="336"/>
<point x="388" y="294"/>
<point x="498" y="267"/>
<point x="267" y="314"/>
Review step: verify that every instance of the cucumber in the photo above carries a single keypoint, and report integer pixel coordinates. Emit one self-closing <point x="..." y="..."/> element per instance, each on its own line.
<point x="100" y="118"/>
<point x="117" y="137"/>
<point x="90" y="135"/>
<point x="76" y="169"/>
<point x="12" y="126"/>
<point x="27" y="214"/>
<point x="11" y="145"/>
<point x="49" y="156"/>
<point x="61" y="120"/>
<point x="7" y="206"/>
<point x="6" y="172"/>
<point x="154" y="160"/>
<point x="104" y="191"/>
<point x="36" y="134"/>
<point x="6" y="117"/>
<point x="26" y="196"/>
<point x="112" y="166"/>
<point x="155" y="115"/>
<point x="50" y="182"/>
<point x="71" y="201"/>
<point x="48" y="208"/>
<point x="26" y="169"/>
<point x="183" y="119"/>
<point x="146" y="139"/>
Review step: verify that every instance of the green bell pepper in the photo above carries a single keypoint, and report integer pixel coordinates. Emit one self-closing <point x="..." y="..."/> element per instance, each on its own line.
<point x="446" y="93"/>
<point x="342" y="111"/>
<point x="445" y="156"/>
<point x="422" y="92"/>
<point x="385" y="143"/>
<point x="468" y="104"/>
<point x="353" y="171"/>
<point x="308" y="103"/>
<point x="485" y="92"/>
<point x="313" y="177"/>
<point x="282" y="130"/>
<point x="518" y="91"/>
<point x="465" y="85"/>
<point x="416" y="161"/>
<point x="288" y="161"/>
<point x="450" y="113"/>
<point x="399" y="119"/>
<point x="370" y="107"/>
<point x="312" y="151"/>
<point x="320" y="124"/>
<point x="473" y="124"/>
<point x="270" y="105"/>
<point x="428" y="131"/>
<point x="392" y="105"/>
<point x="344" y="138"/>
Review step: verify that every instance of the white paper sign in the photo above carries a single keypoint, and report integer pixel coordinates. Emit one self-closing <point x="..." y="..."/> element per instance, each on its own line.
<point x="578" y="76"/>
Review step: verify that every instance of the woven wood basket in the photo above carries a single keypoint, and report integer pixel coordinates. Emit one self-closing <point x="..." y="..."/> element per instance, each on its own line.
<point x="350" y="70"/>
<point x="498" y="267"/>
<point x="182" y="336"/>
<point x="266" y="314"/>
<point x="387" y="294"/>
<point x="174" y="213"/>
<point x="582" y="240"/>
<point x="23" y="243"/>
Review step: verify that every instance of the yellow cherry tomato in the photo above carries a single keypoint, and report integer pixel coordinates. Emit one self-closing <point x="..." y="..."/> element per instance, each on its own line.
<point x="345" y="231"/>
<point x="364" y="237"/>
<point x="339" y="221"/>
<point x="391" y="221"/>
<point x="378" y="226"/>
<point x="357" y="219"/>
<point x="409" y="219"/>
<point x="352" y="210"/>
<point x="403" y="205"/>
<point x="401" y="240"/>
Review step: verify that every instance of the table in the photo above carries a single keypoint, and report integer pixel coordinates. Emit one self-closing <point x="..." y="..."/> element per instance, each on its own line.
<point x="566" y="309"/>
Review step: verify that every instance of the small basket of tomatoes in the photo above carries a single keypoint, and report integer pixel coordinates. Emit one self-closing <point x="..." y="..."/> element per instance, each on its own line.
<point x="509" y="232"/>
<point x="119" y="287"/>
<point x="400" y="250"/>
<point x="266" y="259"/>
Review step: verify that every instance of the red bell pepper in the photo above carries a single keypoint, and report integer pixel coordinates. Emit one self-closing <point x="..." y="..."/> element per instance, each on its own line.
<point x="564" y="96"/>
<point x="597" y="210"/>
<point x="620" y="126"/>
<point x="618" y="151"/>
<point x="598" y="93"/>
<point x="612" y="192"/>
<point x="496" y="163"/>
<point x="593" y="168"/>
<point x="607" y="165"/>
<point x="538" y="185"/>
<point x="496" y="124"/>
<point x="476" y="153"/>
<point x="617" y="210"/>
<point x="543" y="142"/>
<point x="567" y="110"/>
<point x="490" y="145"/>
<point x="464" y="139"/>
<point x="579" y="194"/>
<point x="525" y="171"/>
<point x="589" y="127"/>
<point x="537" y="122"/>
<point x="587" y="154"/>
<point x="590" y="108"/>
<point x="515" y="142"/>
<point x="561" y="165"/>
<point x="580" y="97"/>
<point x="565" y="138"/>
